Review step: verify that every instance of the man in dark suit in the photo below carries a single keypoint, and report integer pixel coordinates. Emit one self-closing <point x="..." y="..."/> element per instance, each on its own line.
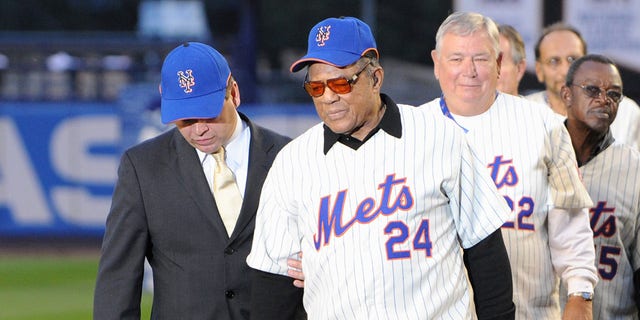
<point x="164" y="206"/>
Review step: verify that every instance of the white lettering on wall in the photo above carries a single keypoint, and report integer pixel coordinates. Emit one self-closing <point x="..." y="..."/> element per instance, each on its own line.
<point x="71" y="144"/>
<point x="72" y="159"/>
<point x="19" y="187"/>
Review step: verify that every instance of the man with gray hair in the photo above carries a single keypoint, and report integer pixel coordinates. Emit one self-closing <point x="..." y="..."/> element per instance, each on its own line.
<point x="528" y="153"/>
<point x="513" y="60"/>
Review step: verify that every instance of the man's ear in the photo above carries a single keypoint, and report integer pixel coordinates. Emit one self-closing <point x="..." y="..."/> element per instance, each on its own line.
<point x="378" y="78"/>
<point x="235" y="94"/>
<point x="499" y="63"/>
<point x="566" y="95"/>
<point x="434" y="57"/>
<point x="539" y="73"/>
<point x="522" y="68"/>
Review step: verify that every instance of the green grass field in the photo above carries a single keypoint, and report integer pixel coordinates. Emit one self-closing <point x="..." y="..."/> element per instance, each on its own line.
<point x="49" y="287"/>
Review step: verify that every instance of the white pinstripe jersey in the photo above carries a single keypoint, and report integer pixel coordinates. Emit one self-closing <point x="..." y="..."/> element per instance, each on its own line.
<point x="625" y="128"/>
<point x="381" y="227"/>
<point x="529" y="155"/>
<point x="613" y="181"/>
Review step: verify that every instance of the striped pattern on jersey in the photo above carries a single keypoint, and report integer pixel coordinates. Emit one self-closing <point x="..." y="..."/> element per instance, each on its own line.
<point x="626" y="126"/>
<point x="613" y="181"/>
<point x="360" y="272"/>
<point x="528" y="154"/>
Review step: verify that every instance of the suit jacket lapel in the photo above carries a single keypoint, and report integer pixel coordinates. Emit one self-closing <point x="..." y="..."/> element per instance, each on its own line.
<point x="192" y="179"/>
<point x="260" y="158"/>
<point x="190" y="176"/>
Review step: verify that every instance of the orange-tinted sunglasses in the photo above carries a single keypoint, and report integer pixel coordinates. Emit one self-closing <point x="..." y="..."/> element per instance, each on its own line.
<point x="340" y="85"/>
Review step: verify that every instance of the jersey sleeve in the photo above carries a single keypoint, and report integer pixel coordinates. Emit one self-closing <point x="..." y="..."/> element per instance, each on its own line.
<point x="566" y="187"/>
<point x="276" y="232"/>
<point x="572" y="248"/>
<point x="626" y="129"/>
<point x="477" y="206"/>
<point x="570" y="235"/>
<point x="635" y="246"/>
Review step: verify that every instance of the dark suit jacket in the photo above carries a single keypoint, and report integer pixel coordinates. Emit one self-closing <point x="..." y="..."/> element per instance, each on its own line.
<point x="162" y="208"/>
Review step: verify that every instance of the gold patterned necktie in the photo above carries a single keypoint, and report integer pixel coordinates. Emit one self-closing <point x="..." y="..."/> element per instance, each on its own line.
<point x="226" y="192"/>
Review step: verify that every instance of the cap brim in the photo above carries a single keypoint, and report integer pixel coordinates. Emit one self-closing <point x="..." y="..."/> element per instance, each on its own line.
<point x="202" y="107"/>
<point x="336" y="59"/>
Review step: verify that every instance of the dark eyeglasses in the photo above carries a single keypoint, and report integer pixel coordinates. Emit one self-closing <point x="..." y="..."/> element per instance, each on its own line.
<point x="340" y="85"/>
<point x="594" y="92"/>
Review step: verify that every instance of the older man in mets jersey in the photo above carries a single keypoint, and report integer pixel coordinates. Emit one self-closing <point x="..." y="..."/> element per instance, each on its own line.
<point x="527" y="151"/>
<point x="611" y="172"/>
<point x="381" y="198"/>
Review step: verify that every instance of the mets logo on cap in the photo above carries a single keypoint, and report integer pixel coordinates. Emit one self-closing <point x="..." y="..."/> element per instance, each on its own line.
<point x="186" y="80"/>
<point x="193" y="82"/>
<point x="323" y="35"/>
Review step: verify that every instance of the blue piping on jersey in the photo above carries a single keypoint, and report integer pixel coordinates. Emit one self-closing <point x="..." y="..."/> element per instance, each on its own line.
<point x="447" y="113"/>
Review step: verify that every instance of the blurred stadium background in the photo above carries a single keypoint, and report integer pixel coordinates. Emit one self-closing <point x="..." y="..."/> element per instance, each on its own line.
<point x="78" y="85"/>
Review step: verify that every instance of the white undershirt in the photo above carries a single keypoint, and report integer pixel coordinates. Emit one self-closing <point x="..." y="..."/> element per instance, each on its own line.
<point x="468" y="122"/>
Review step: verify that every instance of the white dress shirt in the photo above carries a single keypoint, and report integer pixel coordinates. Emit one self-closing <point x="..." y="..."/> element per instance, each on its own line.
<point x="237" y="150"/>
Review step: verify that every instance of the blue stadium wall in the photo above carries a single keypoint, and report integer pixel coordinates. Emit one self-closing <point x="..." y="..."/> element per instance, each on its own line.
<point x="58" y="161"/>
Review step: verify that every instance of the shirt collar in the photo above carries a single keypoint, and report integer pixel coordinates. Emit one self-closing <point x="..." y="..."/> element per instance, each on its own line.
<point x="390" y="123"/>
<point x="232" y="152"/>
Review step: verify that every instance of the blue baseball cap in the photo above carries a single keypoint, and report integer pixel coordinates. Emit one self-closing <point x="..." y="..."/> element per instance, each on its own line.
<point x="194" y="82"/>
<point x="338" y="42"/>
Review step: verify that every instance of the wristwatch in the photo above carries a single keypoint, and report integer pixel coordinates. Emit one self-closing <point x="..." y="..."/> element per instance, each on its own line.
<point x="587" y="296"/>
